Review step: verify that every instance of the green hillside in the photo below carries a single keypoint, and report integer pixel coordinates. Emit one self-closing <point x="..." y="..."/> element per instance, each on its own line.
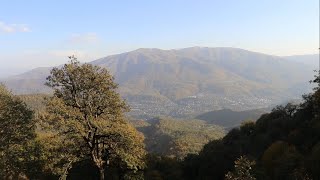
<point x="229" y="119"/>
<point x="177" y="138"/>
<point x="204" y="78"/>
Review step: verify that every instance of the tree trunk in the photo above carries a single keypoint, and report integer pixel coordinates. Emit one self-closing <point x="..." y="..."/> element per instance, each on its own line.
<point x="101" y="171"/>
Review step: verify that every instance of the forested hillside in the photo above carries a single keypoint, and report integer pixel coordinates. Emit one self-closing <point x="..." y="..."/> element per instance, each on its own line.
<point x="177" y="138"/>
<point x="164" y="136"/>
<point x="36" y="102"/>
<point x="81" y="132"/>
<point x="282" y="144"/>
<point x="189" y="81"/>
<point x="159" y="90"/>
<point x="230" y="119"/>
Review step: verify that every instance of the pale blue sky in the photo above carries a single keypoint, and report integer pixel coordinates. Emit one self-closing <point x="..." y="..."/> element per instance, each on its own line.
<point x="37" y="33"/>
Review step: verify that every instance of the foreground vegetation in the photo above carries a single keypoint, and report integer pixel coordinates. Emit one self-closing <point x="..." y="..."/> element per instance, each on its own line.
<point x="177" y="138"/>
<point x="283" y="144"/>
<point x="80" y="132"/>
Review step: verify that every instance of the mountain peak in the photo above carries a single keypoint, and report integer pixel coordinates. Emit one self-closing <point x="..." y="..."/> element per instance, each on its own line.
<point x="148" y="50"/>
<point x="181" y="73"/>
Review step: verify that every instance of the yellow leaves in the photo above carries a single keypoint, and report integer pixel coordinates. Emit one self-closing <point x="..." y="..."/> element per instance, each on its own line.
<point x="129" y="146"/>
<point x="243" y="167"/>
<point x="86" y="113"/>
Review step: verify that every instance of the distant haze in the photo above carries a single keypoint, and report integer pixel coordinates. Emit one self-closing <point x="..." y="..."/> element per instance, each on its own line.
<point x="43" y="33"/>
<point x="312" y="59"/>
<point x="6" y="72"/>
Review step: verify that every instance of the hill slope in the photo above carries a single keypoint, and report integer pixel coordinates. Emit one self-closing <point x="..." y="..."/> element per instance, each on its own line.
<point x="177" y="138"/>
<point x="230" y="119"/>
<point x="192" y="80"/>
<point x="311" y="59"/>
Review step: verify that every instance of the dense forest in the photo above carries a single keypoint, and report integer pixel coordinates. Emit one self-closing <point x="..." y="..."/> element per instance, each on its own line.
<point x="81" y="132"/>
<point x="177" y="138"/>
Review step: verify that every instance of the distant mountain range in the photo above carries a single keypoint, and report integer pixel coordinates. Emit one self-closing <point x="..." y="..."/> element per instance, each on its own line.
<point x="10" y="71"/>
<point x="311" y="60"/>
<point x="192" y="80"/>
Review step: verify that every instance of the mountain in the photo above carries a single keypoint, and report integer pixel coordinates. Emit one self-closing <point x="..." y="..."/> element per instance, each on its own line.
<point x="30" y="82"/>
<point x="229" y="119"/>
<point x="310" y="59"/>
<point x="10" y="71"/>
<point x="176" y="74"/>
<point x="189" y="81"/>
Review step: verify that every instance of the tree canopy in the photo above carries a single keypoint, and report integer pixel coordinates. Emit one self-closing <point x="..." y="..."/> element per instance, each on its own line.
<point x="284" y="143"/>
<point x="86" y="112"/>
<point x="16" y="136"/>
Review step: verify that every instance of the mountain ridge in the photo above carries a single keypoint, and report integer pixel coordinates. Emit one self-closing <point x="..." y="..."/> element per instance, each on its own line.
<point x="218" y="77"/>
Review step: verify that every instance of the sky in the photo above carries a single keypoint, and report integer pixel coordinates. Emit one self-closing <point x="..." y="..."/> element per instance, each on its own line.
<point x="38" y="33"/>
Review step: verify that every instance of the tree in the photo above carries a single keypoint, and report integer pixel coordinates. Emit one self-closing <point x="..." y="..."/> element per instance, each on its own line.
<point x="86" y="110"/>
<point x="243" y="168"/>
<point x="17" y="131"/>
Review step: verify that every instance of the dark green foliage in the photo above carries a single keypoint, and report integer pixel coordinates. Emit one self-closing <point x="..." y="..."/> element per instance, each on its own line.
<point x="86" y="170"/>
<point x="17" y="146"/>
<point x="160" y="168"/>
<point x="285" y="144"/>
<point x="313" y="161"/>
<point x="177" y="138"/>
<point x="230" y="119"/>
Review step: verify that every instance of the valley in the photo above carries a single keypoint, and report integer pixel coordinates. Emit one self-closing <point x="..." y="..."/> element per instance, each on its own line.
<point x="149" y="107"/>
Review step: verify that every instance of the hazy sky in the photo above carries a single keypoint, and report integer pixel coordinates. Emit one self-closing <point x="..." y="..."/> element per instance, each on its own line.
<point x="37" y="33"/>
